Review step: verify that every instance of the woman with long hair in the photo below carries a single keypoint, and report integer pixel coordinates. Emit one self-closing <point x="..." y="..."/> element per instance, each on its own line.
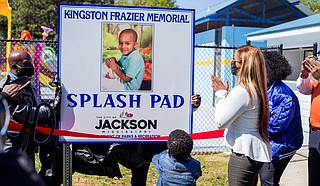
<point x="244" y="113"/>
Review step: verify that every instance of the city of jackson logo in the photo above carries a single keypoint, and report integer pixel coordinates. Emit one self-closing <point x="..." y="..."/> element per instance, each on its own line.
<point x="126" y="121"/>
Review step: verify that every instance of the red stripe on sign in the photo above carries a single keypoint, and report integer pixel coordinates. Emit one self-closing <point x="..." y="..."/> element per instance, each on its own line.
<point x="13" y="126"/>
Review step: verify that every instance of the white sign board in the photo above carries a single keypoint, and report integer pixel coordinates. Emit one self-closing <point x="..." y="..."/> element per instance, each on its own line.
<point x="145" y="91"/>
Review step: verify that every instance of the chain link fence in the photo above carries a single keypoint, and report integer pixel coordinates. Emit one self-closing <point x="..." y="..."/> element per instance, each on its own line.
<point x="209" y="60"/>
<point x="214" y="60"/>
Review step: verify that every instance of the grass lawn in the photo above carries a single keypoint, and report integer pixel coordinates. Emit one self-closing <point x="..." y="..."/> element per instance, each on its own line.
<point x="214" y="172"/>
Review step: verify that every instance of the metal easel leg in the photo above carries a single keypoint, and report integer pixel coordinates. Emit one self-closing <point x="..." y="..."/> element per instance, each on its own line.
<point x="67" y="164"/>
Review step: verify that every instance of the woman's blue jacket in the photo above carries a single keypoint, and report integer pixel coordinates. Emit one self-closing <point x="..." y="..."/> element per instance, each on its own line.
<point x="285" y="129"/>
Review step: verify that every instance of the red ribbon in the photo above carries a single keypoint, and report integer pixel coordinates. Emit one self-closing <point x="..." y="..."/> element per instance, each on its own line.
<point x="13" y="126"/>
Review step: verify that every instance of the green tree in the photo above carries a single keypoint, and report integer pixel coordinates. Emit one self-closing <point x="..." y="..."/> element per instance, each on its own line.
<point x="314" y="5"/>
<point x="31" y="14"/>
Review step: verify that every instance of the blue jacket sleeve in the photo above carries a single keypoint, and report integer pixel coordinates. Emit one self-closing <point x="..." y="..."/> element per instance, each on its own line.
<point x="282" y="109"/>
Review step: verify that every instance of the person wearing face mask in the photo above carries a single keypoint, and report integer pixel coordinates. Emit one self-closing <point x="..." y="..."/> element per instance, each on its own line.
<point x="243" y="112"/>
<point x="20" y="64"/>
<point x="235" y="65"/>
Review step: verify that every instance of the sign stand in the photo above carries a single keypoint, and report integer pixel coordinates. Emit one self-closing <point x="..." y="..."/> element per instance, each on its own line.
<point x="67" y="164"/>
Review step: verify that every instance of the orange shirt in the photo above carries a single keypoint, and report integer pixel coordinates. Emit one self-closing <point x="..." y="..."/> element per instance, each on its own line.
<point x="315" y="106"/>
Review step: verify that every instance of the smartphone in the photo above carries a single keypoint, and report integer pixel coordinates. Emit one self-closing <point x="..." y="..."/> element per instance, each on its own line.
<point x="314" y="52"/>
<point x="316" y="59"/>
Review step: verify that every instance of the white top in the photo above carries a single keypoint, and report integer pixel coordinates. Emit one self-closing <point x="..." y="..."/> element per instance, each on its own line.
<point x="235" y="114"/>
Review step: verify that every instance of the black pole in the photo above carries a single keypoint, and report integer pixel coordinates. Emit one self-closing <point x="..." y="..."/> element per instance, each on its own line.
<point x="315" y="48"/>
<point x="281" y="49"/>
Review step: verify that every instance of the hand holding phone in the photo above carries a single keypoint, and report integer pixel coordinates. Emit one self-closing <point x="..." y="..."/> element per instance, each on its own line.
<point x="313" y="66"/>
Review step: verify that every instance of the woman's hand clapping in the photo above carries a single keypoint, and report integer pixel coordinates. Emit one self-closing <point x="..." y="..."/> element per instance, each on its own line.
<point x="217" y="84"/>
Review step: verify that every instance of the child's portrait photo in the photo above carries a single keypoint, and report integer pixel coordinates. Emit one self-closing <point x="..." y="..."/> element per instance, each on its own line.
<point x="126" y="57"/>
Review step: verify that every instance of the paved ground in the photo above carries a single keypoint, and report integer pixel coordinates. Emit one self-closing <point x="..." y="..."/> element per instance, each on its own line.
<point x="296" y="172"/>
